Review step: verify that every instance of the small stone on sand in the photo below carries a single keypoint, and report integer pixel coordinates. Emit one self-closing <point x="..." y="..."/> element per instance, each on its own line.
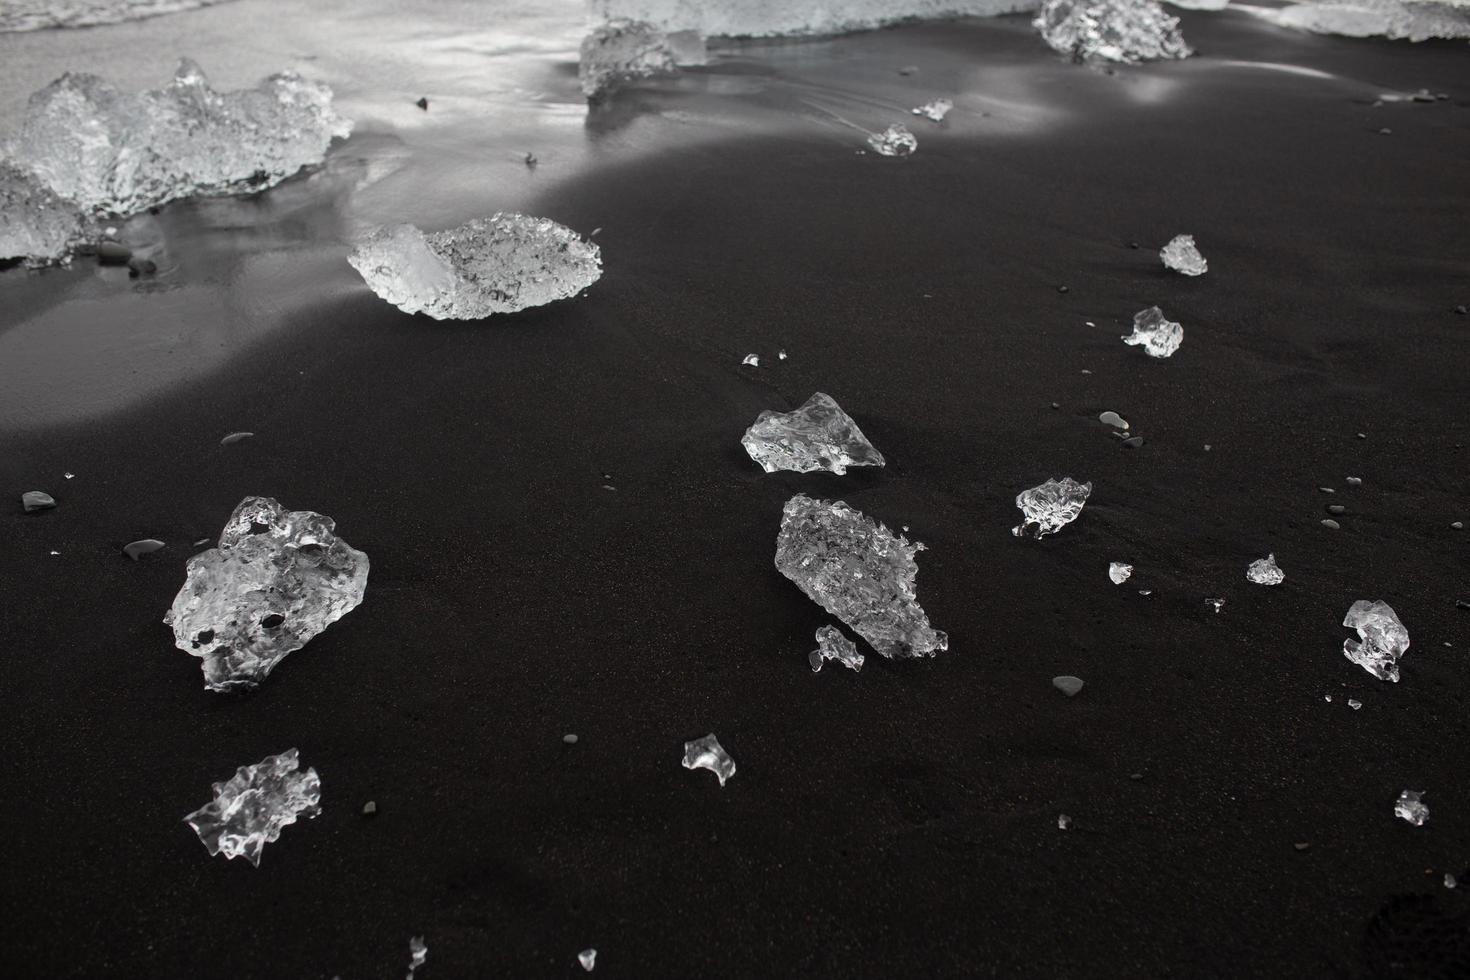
<point x="370" y="809"/>
<point x="137" y="549"/>
<point x="1355" y="481"/>
<point x="1336" y="509"/>
<point x="1067" y="684"/>
<point x="1331" y="525"/>
<point x="235" y="437"/>
<point x="569" y="738"/>
<point x="424" y="105"/>
<point x="36" y="500"/>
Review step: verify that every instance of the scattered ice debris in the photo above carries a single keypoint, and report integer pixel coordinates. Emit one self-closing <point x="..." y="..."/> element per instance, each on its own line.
<point x="1215" y="603"/>
<point x="832" y="645"/>
<point x="235" y="437"/>
<point x="860" y="572"/>
<point x="1159" y="336"/>
<point x="1409" y="807"/>
<point x="500" y="264"/>
<point x="935" y="110"/>
<point x="1265" y="571"/>
<point x="1414" y="20"/>
<point x="765" y="18"/>
<point x="276" y="580"/>
<point x="895" y="141"/>
<point x="706" y="753"/>
<point x="1068" y="685"/>
<point x="751" y="360"/>
<point x="1331" y="525"/>
<point x="623" y="50"/>
<point x="1354" y="703"/>
<point x="249" y="810"/>
<point x="1063" y="821"/>
<point x="35" y="224"/>
<point x="33" y="500"/>
<point x="1114" y="419"/>
<point x="147" y="546"/>
<point x="817" y="436"/>
<point x="1119" y="572"/>
<point x="1382" y="638"/>
<point x="418" y="951"/>
<point x="588" y="959"/>
<point x="1050" y="506"/>
<point x="1183" y="257"/>
<point x="1110" y="30"/>
<point x="1336" y="509"/>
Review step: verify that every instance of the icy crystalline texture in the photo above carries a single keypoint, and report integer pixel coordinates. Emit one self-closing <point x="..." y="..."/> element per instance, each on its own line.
<point x="1111" y="30"/>
<point x="263" y="593"/>
<point x="832" y="645"/>
<point x="500" y="264"/>
<point x="249" y="810"/>
<point x="1413" y="21"/>
<point x="35" y="224"/>
<point x="1183" y="257"/>
<point x="935" y="110"/>
<point x="765" y="18"/>
<point x="895" y="141"/>
<point x="622" y="50"/>
<point x="817" y="436"/>
<point x="1051" y="506"/>
<point x="109" y="151"/>
<point x="1265" y="571"/>
<point x="1159" y="336"/>
<point x="1119" y="572"/>
<point x="858" y="571"/>
<point x="1382" y="638"/>
<point x="1409" y="807"/>
<point x="706" y="753"/>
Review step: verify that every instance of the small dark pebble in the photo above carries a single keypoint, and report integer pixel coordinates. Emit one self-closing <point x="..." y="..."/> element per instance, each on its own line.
<point x="1462" y="604"/>
<point x="1462" y="309"/>
<point x="1055" y="405"/>
<point x="1336" y="509"/>
<point x="1362" y="435"/>
<point x="113" y="253"/>
<point x="1133" y="442"/>
<point x="423" y="104"/>
<point x="1063" y="289"/>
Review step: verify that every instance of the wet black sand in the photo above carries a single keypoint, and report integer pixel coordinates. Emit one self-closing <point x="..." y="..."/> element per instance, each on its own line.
<point x="898" y="822"/>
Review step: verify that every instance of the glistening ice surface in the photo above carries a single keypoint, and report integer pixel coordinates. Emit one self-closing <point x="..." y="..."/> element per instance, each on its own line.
<point x="895" y="141"/>
<point x="832" y="645"/>
<point x="1265" y="571"/>
<point x="1111" y="30"/>
<point x="249" y="810"/>
<point x="707" y="753"/>
<point x="1183" y="256"/>
<point x="1156" y="333"/>
<point x="761" y="18"/>
<point x="1382" y="639"/>
<point x="1410" y="807"/>
<point x="35" y="224"/>
<point x="1051" y="506"/>
<point x="817" y="436"/>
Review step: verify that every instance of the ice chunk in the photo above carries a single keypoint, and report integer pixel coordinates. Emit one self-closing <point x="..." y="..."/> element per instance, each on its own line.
<point x="1398" y="19"/>
<point x="35" y="224"/>
<point x="588" y="958"/>
<point x="1119" y="572"/>
<point x="1111" y="30"/>
<point x="1382" y="638"/>
<point x="1409" y="806"/>
<point x="500" y="264"/>
<point x="249" y="810"/>
<point x="706" y="753"/>
<point x="1068" y="685"/>
<point x="832" y="645"/>
<point x="935" y="110"/>
<point x="765" y="18"/>
<point x="418" y="952"/>
<point x="276" y="580"/>
<point x="895" y="141"/>
<point x="1050" y="506"/>
<point x="1183" y="257"/>
<point x="1265" y="571"/>
<point x="622" y="50"/>
<point x="860" y="572"/>
<point x="111" y="151"/>
<point x="751" y="360"/>
<point x="817" y="436"/>
<point x="1159" y="336"/>
<point x="1354" y="703"/>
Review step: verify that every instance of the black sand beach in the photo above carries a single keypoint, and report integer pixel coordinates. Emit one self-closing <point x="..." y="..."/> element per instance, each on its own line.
<point x="897" y="822"/>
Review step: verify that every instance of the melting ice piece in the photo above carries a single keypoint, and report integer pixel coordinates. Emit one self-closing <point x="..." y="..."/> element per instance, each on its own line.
<point x="276" y="580"/>
<point x="1050" y="506"/>
<point x="860" y="572"/>
<point x="35" y="224"/>
<point x="110" y="151"/>
<point x="1183" y="257"/>
<point x="765" y="18"/>
<point x="418" y="951"/>
<point x="1159" y="336"/>
<point x="588" y="959"/>
<point x="895" y="141"/>
<point x="500" y="264"/>
<point x="1119" y="572"/>
<point x="1382" y="638"/>
<point x="706" y="753"/>
<point x="1397" y="19"/>
<point x="249" y="810"/>
<point x="751" y="360"/>
<point x="817" y="436"/>
<point x="935" y="110"/>
<point x="622" y="50"/>
<point x="1265" y="571"/>
<point x="1111" y="30"/>
<point x="832" y="645"/>
<point x="1409" y="807"/>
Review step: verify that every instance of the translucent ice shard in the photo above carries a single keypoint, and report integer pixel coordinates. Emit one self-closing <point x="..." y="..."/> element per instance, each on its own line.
<point x="763" y="18"/>
<point x="706" y="753"/>
<point x="1119" y="572"/>
<point x="832" y="645"/>
<point x="1382" y="639"/>
<point x="817" y="436"/>
<point x="1050" y="506"/>
<point x="935" y="110"/>
<point x="1183" y="257"/>
<point x="249" y="810"/>
<point x="895" y="141"/>
<point x="1410" y="808"/>
<point x="35" y="224"/>
<point x="418" y="952"/>
<point x="1413" y="20"/>
<point x="276" y="579"/>
<point x="1265" y="571"/>
<point x="622" y="50"/>
<point x="858" y="571"/>
<point x="1159" y="336"/>
<point x="500" y="264"/>
<point x="1111" y="30"/>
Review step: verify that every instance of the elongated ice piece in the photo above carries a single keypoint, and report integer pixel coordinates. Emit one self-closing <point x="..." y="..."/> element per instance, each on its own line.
<point x="1265" y="571"/>
<point x="500" y="264"/>
<point x="1382" y="639"/>
<point x="35" y="224"/>
<point x="1111" y="30"/>
<point x="832" y="645"/>
<point x="1413" y="20"/>
<point x="817" y="436"/>
<point x="706" y="753"/>
<point x="277" y="579"/>
<point x="249" y="810"/>
<point x="1410" y="807"/>
<point x="1050" y="506"/>
<point x="935" y="110"/>
<point x="1159" y="336"/>
<point x="1183" y="256"/>
<point x="765" y="18"/>
<point x="895" y="141"/>
<point x="623" y="50"/>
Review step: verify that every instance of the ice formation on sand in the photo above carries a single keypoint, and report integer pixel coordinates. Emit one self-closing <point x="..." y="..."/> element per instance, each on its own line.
<point x="622" y="50"/>
<point x="1111" y="30"/>
<point x="1050" y="506"/>
<point x="110" y="151"/>
<point x="706" y="753"/>
<point x="832" y="645"/>
<point x="1265" y="571"/>
<point x="765" y="18"/>
<point x="1398" y="19"/>
<point x="1382" y="639"/>
<point x="858" y="571"/>
<point x="35" y="224"/>
<point x="276" y="580"/>
<point x="500" y="264"/>
<point x="817" y="436"/>
<point x="895" y="141"/>
<point x="1183" y="257"/>
<point x="1159" y="336"/>
<point x="249" y="810"/>
<point x="1119" y="572"/>
<point x="1409" y="807"/>
<point x="935" y="110"/>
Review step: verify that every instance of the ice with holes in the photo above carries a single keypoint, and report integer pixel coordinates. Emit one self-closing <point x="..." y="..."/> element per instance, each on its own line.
<point x="250" y="808"/>
<point x="1111" y="30"/>
<point x="817" y="436"/>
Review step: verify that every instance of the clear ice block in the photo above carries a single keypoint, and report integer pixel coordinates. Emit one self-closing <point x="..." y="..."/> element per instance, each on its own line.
<point x="1119" y="572"/>
<point x="935" y="110"/>
<point x="1183" y="256"/>
<point x="832" y="645"/>
<point x="1111" y="30"/>
<point x="895" y="141"/>
<point x="817" y="436"/>
<point x="1410" y="807"/>
<point x="1382" y="639"/>
<point x="1159" y="336"/>
<point x="1265" y="571"/>
<point x="249" y="810"/>
<point x="706" y="753"/>
<point x="1050" y="506"/>
<point x="35" y="224"/>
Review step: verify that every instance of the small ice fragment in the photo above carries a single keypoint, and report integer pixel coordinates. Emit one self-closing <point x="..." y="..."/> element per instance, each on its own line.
<point x="588" y="959"/>
<point x="1114" y="419"/>
<point x="37" y="500"/>
<point x="706" y="753"/>
<point x="1119" y="572"/>
<point x="817" y="436"/>
<point x="1354" y="703"/>
<point x="1063" y="821"/>
<point x="68" y="475"/>
<point x="1110" y="30"/>
<point x="235" y="437"/>
<point x="1050" y="506"/>
<point x="832" y="645"/>
<point x="569" y="738"/>
<point x="35" y="224"/>
<point x="1409" y="807"/>
<point x="1183" y="257"/>
<point x="781" y="354"/>
<point x="249" y="810"/>
<point x="751" y="360"/>
<point x="1215" y="603"/>
<point x="1265" y="571"/>
<point x="1330" y="524"/>
<point x="935" y="110"/>
<point x="1449" y="880"/>
<point x="1327" y="698"/>
<point x="1145" y="591"/>
<point x="370" y="808"/>
<point x="1355" y="481"/>
<point x="1159" y="336"/>
<point x="623" y="50"/>
<point x="895" y="141"/>
<point x="147" y="546"/>
<point x="1068" y="685"/>
<point x="418" y="951"/>
<point x="1382" y="638"/>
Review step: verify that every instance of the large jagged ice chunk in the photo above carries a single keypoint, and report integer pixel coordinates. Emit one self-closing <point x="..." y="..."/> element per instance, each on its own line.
<point x="1382" y="639"/>
<point x="706" y="753"/>
<point x="623" y="50"/>
<point x="895" y="141"/>
<point x="276" y="579"/>
<point x="765" y="18"/>
<point x="1050" y="506"/>
<point x="935" y="110"/>
<point x="1265" y="571"/>
<point x="1183" y="257"/>
<point x="1111" y="30"/>
<point x="832" y="645"/>
<point x="35" y="224"/>
<point x="249" y="810"/>
<point x="1410" y="807"/>
<point x="500" y="264"/>
<point x="860" y="572"/>
<point x="1159" y="336"/>
<point x="1407" y="20"/>
<point x="817" y="436"/>
<point x="110" y="151"/>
